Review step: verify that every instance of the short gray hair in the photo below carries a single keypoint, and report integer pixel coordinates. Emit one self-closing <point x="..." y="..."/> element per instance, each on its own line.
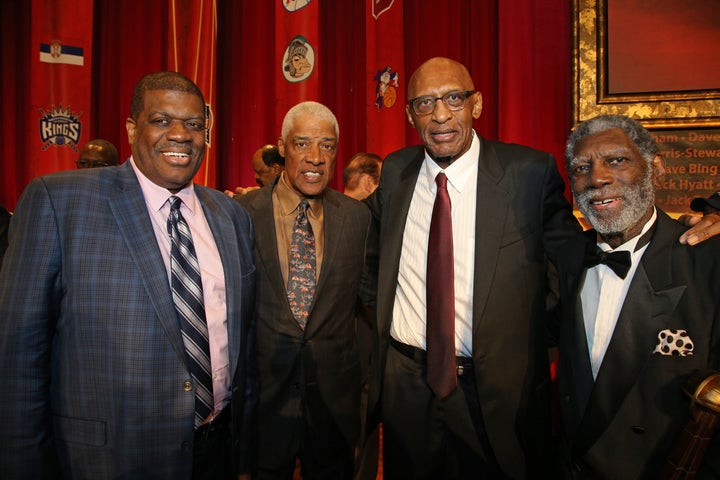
<point x="313" y="109"/>
<point x="642" y="139"/>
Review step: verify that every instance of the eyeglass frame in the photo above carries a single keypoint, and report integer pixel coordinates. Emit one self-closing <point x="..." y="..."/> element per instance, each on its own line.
<point x="467" y="93"/>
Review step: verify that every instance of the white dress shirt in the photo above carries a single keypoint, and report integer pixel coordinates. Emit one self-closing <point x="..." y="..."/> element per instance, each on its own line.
<point x="603" y="294"/>
<point x="409" y="311"/>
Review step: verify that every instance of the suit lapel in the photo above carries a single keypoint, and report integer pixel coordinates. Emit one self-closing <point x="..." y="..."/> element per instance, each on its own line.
<point x="226" y="240"/>
<point x="127" y="204"/>
<point x="491" y="209"/>
<point x="576" y="370"/>
<point x="265" y="235"/>
<point x="397" y="204"/>
<point x="650" y="300"/>
<point x="333" y="218"/>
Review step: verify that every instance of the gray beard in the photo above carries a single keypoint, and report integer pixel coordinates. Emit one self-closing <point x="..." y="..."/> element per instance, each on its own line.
<point x="637" y="200"/>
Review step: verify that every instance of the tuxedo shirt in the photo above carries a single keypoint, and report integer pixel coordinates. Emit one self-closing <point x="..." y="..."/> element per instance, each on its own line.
<point x="603" y="294"/>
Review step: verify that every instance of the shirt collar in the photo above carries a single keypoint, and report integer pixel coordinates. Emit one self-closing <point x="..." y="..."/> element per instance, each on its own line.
<point x="290" y="199"/>
<point x="156" y="196"/>
<point x="630" y="244"/>
<point x="460" y="171"/>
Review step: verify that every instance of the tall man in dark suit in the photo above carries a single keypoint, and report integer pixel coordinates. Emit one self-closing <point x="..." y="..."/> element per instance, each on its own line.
<point x="307" y="348"/>
<point x="508" y="215"/>
<point x="100" y="379"/>
<point x="630" y="338"/>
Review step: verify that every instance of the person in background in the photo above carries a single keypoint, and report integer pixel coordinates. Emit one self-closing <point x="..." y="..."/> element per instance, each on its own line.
<point x="310" y="253"/>
<point x="267" y="164"/>
<point x="466" y="227"/>
<point x="640" y="312"/>
<point x="127" y="312"/>
<point x="97" y="153"/>
<point x="362" y="175"/>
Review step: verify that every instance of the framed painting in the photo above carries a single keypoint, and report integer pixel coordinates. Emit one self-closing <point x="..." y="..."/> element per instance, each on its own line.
<point x="655" y="61"/>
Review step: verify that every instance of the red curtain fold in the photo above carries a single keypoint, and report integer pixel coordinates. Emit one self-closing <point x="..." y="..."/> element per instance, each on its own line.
<point x="385" y="76"/>
<point x="192" y="51"/>
<point x="518" y="52"/>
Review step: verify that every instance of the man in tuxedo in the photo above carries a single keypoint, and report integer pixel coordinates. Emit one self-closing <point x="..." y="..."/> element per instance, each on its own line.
<point x="490" y="418"/>
<point x="310" y="256"/>
<point x="127" y="312"/>
<point x="637" y="324"/>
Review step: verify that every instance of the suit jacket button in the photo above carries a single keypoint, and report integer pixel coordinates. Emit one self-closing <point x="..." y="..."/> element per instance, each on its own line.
<point x="638" y="429"/>
<point x="187" y="385"/>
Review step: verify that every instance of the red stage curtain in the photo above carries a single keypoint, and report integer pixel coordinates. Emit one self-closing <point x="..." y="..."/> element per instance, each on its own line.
<point x="518" y="52"/>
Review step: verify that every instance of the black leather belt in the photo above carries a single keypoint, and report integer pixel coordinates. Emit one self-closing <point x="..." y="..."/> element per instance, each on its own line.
<point x="464" y="364"/>
<point x="221" y="420"/>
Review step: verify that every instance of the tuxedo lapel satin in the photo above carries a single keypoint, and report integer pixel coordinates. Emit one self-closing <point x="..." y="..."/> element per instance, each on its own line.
<point x="128" y="207"/>
<point x="576" y="369"/>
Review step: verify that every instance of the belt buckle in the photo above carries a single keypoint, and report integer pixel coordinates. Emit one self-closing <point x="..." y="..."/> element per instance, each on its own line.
<point x="460" y="369"/>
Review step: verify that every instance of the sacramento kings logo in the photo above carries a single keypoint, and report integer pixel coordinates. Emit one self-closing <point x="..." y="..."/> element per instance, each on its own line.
<point x="59" y="127"/>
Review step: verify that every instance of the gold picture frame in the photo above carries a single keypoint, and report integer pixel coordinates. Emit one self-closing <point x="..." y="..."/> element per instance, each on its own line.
<point x="694" y="109"/>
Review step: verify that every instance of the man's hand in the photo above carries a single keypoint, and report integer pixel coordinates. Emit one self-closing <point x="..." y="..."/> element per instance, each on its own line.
<point x="240" y="191"/>
<point x="702" y="228"/>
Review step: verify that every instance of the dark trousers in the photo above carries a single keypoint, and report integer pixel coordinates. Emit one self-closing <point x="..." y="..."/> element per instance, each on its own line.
<point x="428" y="438"/>
<point x="312" y="467"/>
<point x="212" y="458"/>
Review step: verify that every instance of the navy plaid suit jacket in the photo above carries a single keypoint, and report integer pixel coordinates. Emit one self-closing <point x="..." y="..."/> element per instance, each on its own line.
<point x="91" y="354"/>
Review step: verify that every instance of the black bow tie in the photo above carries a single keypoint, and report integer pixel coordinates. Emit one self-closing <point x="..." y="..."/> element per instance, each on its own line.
<point x="619" y="262"/>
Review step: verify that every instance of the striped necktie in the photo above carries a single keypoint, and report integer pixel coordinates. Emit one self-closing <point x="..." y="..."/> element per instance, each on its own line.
<point x="188" y="297"/>
<point x="301" y="271"/>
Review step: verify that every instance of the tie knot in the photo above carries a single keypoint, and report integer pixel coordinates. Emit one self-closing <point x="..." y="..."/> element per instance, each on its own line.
<point x="441" y="181"/>
<point x="619" y="261"/>
<point x="302" y="208"/>
<point x="174" y="203"/>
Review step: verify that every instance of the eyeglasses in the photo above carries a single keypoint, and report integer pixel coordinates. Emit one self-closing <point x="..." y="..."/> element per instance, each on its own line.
<point x="90" y="164"/>
<point x="454" y="101"/>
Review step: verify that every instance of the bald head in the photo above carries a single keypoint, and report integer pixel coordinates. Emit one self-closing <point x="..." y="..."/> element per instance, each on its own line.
<point x="436" y="71"/>
<point x="267" y="164"/>
<point x="445" y="104"/>
<point x="97" y="153"/>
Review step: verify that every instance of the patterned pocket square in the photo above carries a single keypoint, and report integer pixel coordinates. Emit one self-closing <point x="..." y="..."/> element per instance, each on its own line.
<point x="674" y="342"/>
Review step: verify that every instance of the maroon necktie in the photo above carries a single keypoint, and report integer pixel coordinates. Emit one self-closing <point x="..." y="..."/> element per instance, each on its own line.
<point x="440" y="284"/>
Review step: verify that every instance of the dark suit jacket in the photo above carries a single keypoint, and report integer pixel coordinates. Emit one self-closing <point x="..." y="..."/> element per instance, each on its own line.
<point x="315" y="373"/>
<point x="521" y="215"/>
<point x="91" y="353"/>
<point x="4" y="225"/>
<point x="636" y="407"/>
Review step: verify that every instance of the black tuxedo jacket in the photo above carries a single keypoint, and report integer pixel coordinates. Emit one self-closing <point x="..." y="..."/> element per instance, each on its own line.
<point x="521" y="218"/>
<point x="636" y="408"/>
<point x="313" y="373"/>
